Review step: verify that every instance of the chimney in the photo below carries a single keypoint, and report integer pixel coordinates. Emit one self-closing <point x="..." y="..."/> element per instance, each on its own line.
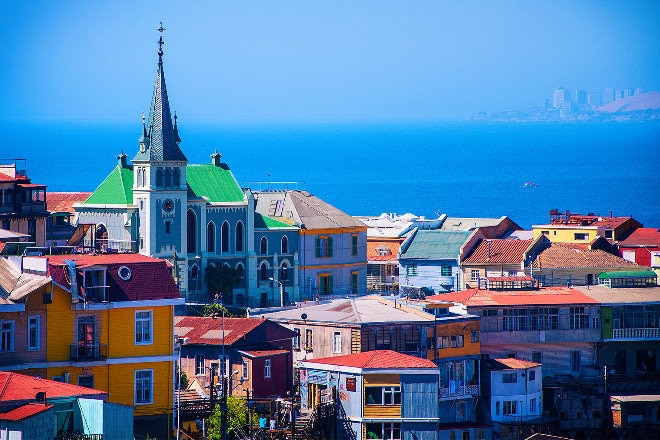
<point x="215" y="159"/>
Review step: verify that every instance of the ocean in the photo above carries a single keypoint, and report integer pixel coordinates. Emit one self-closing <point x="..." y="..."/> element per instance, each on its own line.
<point x="462" y="169"/>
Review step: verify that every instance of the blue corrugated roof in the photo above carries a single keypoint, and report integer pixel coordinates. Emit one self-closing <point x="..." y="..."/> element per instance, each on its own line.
<point x="435" y="244"/>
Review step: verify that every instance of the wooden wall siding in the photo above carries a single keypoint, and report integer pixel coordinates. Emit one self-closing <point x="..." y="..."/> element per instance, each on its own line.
<point x="464" y="328"/>
<point x="122" y="380"/>
<point x="356" y="341"/>
<point x="419" y="396"/>
<point x="382" y="380"/>
<point x="61" y="326"/>
<point x="382" y="411"/>
<point x="401" y="338"/>
<point x="120" y="326"/>
<point x="556" y="358"/>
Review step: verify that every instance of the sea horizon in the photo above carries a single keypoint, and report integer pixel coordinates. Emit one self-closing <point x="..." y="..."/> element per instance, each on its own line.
<point x="427" y="168"/>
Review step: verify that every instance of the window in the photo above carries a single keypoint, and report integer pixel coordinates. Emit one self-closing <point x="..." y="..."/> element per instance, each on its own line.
<point x="296" y="339"/>
<point x="456" y="341"/>
<point x="263" y="246"/>
<point x="541" y="318"/>
<point x="411" y="270"/>
<point x="460" y="410"/>
<point x="210" y="237"/>
<point x="531" y="375"/>
<point x="267" y="368"/>
<point x="481" y="434"/>
<point x="323" y="247"/>
<point x="578" y="319"/>
<point x="263" y="272"/>
<point x="191" y="232"/>
<point x="443" y="341"/>
<point x="445" y="270"/>
<point x="199" y="365"/>
<point x="509" y="378"/>
<point x="509" y="407"/>
<point x="575" y="361"/>
<point x="225" y="238"/>
<point x="383" y="431"/>
<point x="580" y="236"/>
<point x="474" y="275"/>
<point x="239" y="237"/>
<point x="336" y="342"/>
<point x="7" y="336"/>
<point x="159" y="177"/>
<point x="86" y="381"/>
<point x="33" y="333"/>
<point x="546" y="233"/>
<point x="537" y="357"/>
<point x="284" y="272"/>
<point x="354" y="282"/>
<point x="354" y="244"/>
<point x="474" y="336"/>
<point x="144" y="380"/>
<point x="325" y="284"/>
<point x="245" y="370"/>
<point x="532" y="406"/>
<point x="168" y="227"/>
<point x="388" y="395"/>
<point x="176" y="178"/>
<point x="308" y="339"/>
<point x="497" y="408"/>
<point x="489" y="312"/>
<point x="143" y="327"/>
<point x="285" y="244"/>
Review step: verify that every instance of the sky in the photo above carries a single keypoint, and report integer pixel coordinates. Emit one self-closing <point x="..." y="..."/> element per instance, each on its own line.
<point x="317" y="61"/>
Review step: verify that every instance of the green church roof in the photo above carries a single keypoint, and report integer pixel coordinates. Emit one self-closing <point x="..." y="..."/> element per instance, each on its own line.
<point x="264" y="222"/>
<point x="216" y="183"/>
<point x="116" y="189"/>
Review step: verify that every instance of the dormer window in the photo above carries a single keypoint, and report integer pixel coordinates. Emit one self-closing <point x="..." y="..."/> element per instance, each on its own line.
<point x="124" y="273"/>
<point x="94" y="286"/>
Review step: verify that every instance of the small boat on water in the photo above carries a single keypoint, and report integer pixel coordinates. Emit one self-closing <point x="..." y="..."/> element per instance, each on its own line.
<point x="530" y="185"/>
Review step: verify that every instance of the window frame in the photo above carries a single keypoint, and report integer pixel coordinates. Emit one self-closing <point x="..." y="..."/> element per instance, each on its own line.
<point x="34" y="339"/>
<point x="445" y="270"/>
<point x="140" y="333"/>
<point x="267" y="368"/>
<point x="475" y="275"/>
<point x="200" y="365"/>
<point x="7" y="336"/>
<point x="245" y="370"/>
<point x="354" y="244"/>
<point x="140" y="393"/>
<point x="296" y="339"/>
<point x="336" y="342"/>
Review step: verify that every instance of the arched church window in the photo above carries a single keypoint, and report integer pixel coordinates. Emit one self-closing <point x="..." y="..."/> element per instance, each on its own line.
<point x="285" y="245"/>
<point x="239" y="237"/>
<point x="210" y="237"/>
<point x="192" y="232"/>
<point x="159" y="177"/>
<point x="168" y="178"/>
<point x="284" y="272"/>
<point x="225" y="237"/>
<point x="176" y="178"/>
<point x="263" y="246"/>
<point x="263" y="272"/>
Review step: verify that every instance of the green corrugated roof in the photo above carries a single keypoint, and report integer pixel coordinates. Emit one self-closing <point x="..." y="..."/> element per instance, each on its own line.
<point x="264" y="222"/>
<point x="116" y="189"/>
<point x="628" y="274"/>
<point x="436" y="244"/>
<point x="215" y="183"/>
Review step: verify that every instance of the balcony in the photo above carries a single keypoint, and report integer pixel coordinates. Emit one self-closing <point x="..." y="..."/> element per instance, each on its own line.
<point x="459" y="391"/>
<point x="88" y="352"/>
<point x="636" y="333"/>
<point x="33" y="207"/>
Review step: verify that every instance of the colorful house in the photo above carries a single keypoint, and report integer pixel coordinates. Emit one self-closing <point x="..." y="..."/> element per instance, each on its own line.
<point x="639" y="246"/>
<point x="103" y="321"/>
<point x="379" y="394"/>
<point x="41" y="409"/>
<point x="22" y="203"/>
<point x="567" y="227"/>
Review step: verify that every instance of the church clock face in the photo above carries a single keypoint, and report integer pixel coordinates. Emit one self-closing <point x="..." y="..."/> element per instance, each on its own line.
<point x="168" y="205"/>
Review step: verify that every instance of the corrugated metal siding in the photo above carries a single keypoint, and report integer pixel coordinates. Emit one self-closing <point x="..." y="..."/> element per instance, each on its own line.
<point x="118" y="422"/>
<point x="89" y="416"/>
<point x="420" y="431"/>
<point x="419" y="396"/>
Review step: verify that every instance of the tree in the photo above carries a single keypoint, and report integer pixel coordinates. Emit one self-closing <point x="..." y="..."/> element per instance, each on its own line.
<point x="237" y="414"/>
<point x="216" y="310"/>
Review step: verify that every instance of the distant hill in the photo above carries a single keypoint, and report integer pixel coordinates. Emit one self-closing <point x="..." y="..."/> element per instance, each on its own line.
<point x="635" y="103"/>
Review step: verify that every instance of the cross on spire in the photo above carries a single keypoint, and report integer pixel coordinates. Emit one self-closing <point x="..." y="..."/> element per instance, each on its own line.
<point x="160" y="42"/>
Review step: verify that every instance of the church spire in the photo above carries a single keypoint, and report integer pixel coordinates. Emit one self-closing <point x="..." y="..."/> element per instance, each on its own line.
<point x="160" y="142"/>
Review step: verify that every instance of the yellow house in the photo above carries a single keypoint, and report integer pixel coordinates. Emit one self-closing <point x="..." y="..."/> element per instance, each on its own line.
<point x="106" y="322"/>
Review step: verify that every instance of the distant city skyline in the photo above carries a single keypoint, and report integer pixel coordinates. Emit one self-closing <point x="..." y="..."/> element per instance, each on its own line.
<point x="250" y="62"/>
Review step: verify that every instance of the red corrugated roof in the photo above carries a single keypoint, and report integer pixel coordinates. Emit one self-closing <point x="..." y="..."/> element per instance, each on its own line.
<point x="63" y="201"/>
<point x="517" y="363"/>
<point x="264" y="353"/>
<point x="24" y="411"/>
<point x="498" y="251"/>
<point x="15" y="386"/>
<point x="543" y="296"/>
<point x="643" y="237"/>
<point x="385" y="359"/>
<point x="151" y="278"/>
<point x="206" y="330"/>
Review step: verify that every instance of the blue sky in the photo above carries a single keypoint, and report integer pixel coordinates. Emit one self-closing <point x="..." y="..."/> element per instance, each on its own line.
<point x="317" y="61"/>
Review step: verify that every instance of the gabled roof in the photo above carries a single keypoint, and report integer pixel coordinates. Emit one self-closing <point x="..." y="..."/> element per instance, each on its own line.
<point x="434" y="245"/>
<point x="63" y="201"/>
<point x="642" y="237"/>
<point x="498" y="251"/>
<point x="566" y="256"/>
<point x="150" y="278"/>
<point x="213" y="183"/>
<point x="207" y="330"/>
<point x="14" y="285"/>
<point x="370" y="309"/>
<point x="377" y="359"/>
<point x="544" y="296"/>
<point x="19" y="387"/>
<point x="383" y="250"/>
<point x="116" y="189"/>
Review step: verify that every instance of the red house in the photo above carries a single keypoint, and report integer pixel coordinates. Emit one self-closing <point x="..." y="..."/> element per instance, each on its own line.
<point x="639" y="245"/>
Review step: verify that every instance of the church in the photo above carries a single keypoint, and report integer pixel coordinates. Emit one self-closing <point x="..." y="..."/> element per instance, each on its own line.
<point x="221" y="239"/>
<point x="195" y="215"/>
